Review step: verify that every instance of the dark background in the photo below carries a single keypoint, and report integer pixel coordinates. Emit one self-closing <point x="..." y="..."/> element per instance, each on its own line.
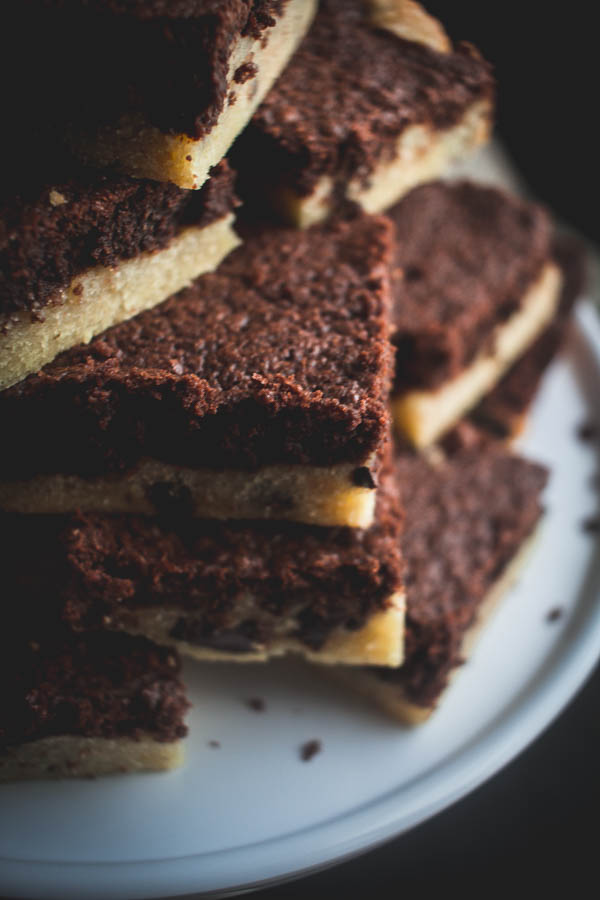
<point x="535" y="828"/>
<point x="545" y="59"/>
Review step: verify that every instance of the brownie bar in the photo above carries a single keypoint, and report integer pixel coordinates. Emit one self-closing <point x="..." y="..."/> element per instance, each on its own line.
<point x="475" y="284"/>
<point x="373" y="102"/>
<point x="51" y="232"/>
<point x="243" y="590"/>
<point x="467" y="520"/>
<point x="255" y="392"/>
<point x="504" y="409"/>
<point x="159" y="89"/>
<point x="83" y="252"/>
<point x="75" y="705"/>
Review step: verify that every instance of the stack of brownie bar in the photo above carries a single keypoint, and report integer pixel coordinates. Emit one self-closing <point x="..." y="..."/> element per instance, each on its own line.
<point x="198" y="454"/>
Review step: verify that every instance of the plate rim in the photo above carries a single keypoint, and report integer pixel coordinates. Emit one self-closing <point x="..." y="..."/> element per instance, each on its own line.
<point x="371" y="823"/>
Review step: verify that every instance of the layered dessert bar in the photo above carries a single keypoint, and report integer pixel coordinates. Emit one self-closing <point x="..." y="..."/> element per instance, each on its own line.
<point x="475" y="283"/>
<point x="469" y="523"/>
<point x="87" y="250"/>
<point x="503" y="411"/>
<point x="156" y="88"/>
<point x="240" y="591"/>
<point x="374" y="102"/>
<point x="88" y="705"/>
<point x="259" y="392"/>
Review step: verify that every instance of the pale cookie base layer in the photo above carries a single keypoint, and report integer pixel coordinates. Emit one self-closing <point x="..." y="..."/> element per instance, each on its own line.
<point x="422" y="154"/>
<point x="313" y="495"/>
<point x="408" y="20"/>
<point x="423" y="416"/>
<point x="140" y="149"/>
<point x="69" y="756"/>
<point x="380" y="642"/>
<point x="391" y="697"/>
<point x="102" y="297"/>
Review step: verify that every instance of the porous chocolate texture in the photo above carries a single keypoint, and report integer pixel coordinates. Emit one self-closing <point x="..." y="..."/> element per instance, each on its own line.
<point x="281" y="356"/>
<point x="98" y="60"/>
<point x="465" y="257"/>
<point x="349" y="92"/>
<point x="103" y="685"/>
<point x="465" y="520"/>
<point x="502" y="409"/>
<point x="49" y="233"/>
<point x="92" y="567"/>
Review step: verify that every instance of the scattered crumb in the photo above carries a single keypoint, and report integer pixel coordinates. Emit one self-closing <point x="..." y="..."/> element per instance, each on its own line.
<point x="310" y="749"/>
<point x="214" y="744"/>
<point x="245" y="72"/>
<point x="591" y="525"/>
<point x="587" y="431"/>
<point x="554" y="614"/>
<point x="56" y="198"/>
<point x="256" y="703"/>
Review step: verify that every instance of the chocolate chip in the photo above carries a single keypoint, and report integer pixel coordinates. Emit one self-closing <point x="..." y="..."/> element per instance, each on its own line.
<point x="362" y="477"/>
<point x="170" y="498"/>
<point x="412" y="273"/>
<point x="257" y="704"/>
<point x="276" y="500"/>
<point x="554" y="614"/>
<point x="310" y="749"/>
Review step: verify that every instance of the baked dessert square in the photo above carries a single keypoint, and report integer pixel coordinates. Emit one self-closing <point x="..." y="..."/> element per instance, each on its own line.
<point x="259" y="392"/>
<point x="470" y="520"/>
<point x="87" y="705"/>
<point x="475" y="284"/>
<point x="86" y="250"/>
<point x="241" y="591"/>
<point x="153" y="88"/>
<point x="503" y="412"/>
<point x="375" y="101"/>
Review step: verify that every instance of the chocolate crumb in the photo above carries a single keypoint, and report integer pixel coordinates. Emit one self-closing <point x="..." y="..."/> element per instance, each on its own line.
<point x="554" y="614"/>
<point x="215" y="744"/>
<point x="362" y="477"/>
<point x="587" y="431"/>
<point x="245" y="72"/>
<point x="189" y="158"/>
<point x="256" y="703"/>
<point x="591" y="525"/>
<point x="310" y="749"/>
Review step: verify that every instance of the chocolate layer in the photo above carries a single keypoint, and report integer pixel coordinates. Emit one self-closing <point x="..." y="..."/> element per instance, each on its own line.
<point x="52" y="232"/>
<point x="238" y="580"/>
<point x="96" y="60"/>
<point x="103" y="685"/>
<point x="279" y="356"/>
<point x="465" y="258"/>
<point x="502" y="410"/>
<point x="348" y="93"/>
<point x="465" y="520"/>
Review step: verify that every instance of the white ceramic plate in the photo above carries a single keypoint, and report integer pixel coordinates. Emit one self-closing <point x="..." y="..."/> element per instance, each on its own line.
<point x="251" y="811"/>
